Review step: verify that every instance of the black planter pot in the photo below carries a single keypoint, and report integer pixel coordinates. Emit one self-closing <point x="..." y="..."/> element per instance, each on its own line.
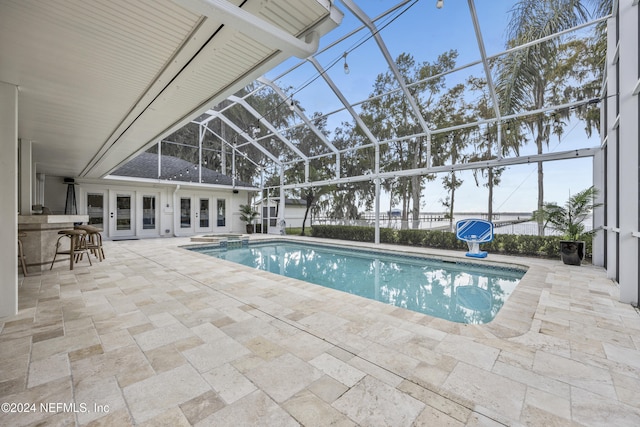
<point x="572" y="253"/>
<point x="249" y="228"/>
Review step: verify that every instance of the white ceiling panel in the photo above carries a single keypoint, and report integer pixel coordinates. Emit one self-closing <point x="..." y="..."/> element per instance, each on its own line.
<point x="100" y="80"/>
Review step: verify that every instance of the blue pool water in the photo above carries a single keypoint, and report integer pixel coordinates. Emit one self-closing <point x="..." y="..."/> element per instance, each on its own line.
<point x="460" y="292"/>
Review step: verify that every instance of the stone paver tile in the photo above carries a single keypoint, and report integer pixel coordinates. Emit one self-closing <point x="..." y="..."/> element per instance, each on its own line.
<point x="161" y="336"/>
<point x="480" y="420"/>
<point x="391" y="359"/>
<point x="432" y="417"/>
<point x="311" y="411"/>
<point x="119" y="322"/>
<point x="45" y="370"/>
<point x="201" y="406"/>
<point x="336" y="368"/>
<point x="127" y="364"/>
<point x="119" y="417"/>
<point x="256" y="410"/>
<point x="284" y="376"/>
<point x="533" y="379"/>
<point x="576" y="373"/>
<point x="425" y="373"/>
<point x="85" y="352"/>
<point x="550" y="403"/>
<point x="152" y="396"/>
<point x="627" y="388"/>
<point x="247" y="328"/>
<point x="384" y="375"/>
<point x="165" y="358"/>
<point x="622" y="355"/>
<point x="13" y="386"/>
<point x="230" y="384"/>
<point x="327" y="388"/>
<point x="372" y="402"/>
<point x="65" y="344"/>
<point x="442" y="401"/>
<point x="305" y="346"/>
<point x="211" y="355"/>
<point x="592" y="409"/>
<point x="499" y="394"/>
<point x="208" y="332"/>
<point x="173" y="417"/>
<point x="547" y="343"/>
<point x="264" y="348"/>
<point x="468" y="351"/>
<point x="59" y="390"/>
<point x="100" y="397"/>
<point x="162" y="319"/>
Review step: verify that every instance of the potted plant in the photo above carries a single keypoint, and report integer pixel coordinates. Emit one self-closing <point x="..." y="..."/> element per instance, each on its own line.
<point x="569" y="220"/>
<point x="248" y="215"/>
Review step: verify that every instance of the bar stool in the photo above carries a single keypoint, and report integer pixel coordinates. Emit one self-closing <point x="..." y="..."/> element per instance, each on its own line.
<point x="94" y="240"/>
<point x="77" y="246"/>
<point x="21" y="252"/>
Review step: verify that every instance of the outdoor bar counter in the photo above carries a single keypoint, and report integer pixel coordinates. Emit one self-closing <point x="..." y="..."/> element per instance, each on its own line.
<point x="39" y="245"/>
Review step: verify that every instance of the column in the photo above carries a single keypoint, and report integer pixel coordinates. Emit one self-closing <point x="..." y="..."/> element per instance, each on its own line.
<point x="9" y="197"/>
<point x="26" y="184"/>
<point x="628" y="152"/>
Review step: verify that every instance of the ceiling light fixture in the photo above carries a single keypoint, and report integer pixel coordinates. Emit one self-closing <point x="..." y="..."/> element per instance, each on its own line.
<point x="346" y="66"/>
<point x="439" y="4"/>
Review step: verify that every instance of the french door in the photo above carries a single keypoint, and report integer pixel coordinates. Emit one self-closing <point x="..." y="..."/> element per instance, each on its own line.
<point x="96" y="209"/>
<point x="149" y="215"/>
<point x="122" y="214"/>
<point x="195" y="214"/>
<point x="203" y="214"/>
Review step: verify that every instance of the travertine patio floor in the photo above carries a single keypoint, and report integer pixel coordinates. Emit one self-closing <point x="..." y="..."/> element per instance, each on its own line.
<point x="157" y="335"/>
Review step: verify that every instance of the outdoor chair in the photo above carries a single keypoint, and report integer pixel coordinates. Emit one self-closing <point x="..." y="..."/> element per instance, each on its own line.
<point x="93" y="240"/>
<point x="77" y="246"/>
<point x="21" y="253"/>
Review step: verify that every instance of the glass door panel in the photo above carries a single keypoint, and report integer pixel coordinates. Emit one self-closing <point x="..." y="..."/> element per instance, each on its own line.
<point x="221" y="213"/>
<point x="123" y="212"/>
<point x="148" y="212"/>
<point x="95" y="209"/>
<point x="185" y="212"/>
<point x="204" y="213"/>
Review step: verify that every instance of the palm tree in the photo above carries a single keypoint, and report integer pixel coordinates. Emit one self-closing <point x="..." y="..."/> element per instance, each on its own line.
<point x="528" y="78"/>
<point x="569" y="219"/>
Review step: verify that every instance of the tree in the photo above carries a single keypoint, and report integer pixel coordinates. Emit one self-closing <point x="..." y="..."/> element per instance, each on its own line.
<point x="569" y="219"/>
<point x="529" y="78"/>
<point x="485" y="142"/>
<point x="389" y="116"/>
<point x="451" y="110"/>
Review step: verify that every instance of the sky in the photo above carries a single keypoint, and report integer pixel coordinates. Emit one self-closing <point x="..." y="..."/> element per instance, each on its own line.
<point x="426" y="32"/>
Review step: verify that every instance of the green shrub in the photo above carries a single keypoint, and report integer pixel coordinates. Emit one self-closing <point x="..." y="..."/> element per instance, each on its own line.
<point x="529" y="245"/>
<point x="509" y="244"/>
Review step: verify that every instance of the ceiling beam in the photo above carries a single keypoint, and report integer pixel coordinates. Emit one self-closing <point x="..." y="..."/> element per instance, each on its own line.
<point x="496" y="163"/>
<point x="268" y="125"/>
<point x="258" y="29"/>
<point x="244" y="135"/>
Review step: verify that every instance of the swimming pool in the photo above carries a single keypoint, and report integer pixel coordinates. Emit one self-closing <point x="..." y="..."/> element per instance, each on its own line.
<point x="458" y="291"/>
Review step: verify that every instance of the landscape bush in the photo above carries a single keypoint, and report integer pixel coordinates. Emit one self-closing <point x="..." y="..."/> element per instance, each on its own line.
<point x="508" y="244"/>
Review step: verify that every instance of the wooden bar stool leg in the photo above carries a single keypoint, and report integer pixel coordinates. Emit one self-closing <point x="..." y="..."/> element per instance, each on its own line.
<point x="21" y="256"/>
<point x="71" y="252"/>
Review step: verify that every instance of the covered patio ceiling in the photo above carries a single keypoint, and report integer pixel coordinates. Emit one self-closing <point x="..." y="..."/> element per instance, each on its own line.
<point x="100" y="80"/>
